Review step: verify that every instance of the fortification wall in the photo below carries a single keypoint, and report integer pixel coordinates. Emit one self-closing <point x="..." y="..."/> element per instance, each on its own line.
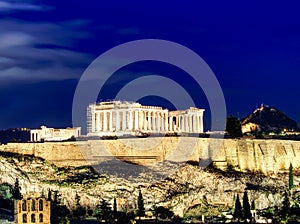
<point x="267" y="156"/>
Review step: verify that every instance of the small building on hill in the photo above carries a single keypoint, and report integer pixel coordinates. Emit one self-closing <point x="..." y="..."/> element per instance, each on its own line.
<point x="54" y="134"/>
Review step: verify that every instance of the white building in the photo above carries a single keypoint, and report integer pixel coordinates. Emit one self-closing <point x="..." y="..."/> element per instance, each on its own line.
<point x="53" y="134"/>
<point x="123" y="117"/>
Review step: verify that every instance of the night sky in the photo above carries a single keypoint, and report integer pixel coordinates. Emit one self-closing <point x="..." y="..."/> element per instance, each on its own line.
<point x="253" y="48"/>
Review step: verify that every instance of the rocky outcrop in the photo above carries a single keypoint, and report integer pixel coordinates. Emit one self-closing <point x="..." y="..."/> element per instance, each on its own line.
<point x="268" y="119"/>
<point x="179" y="191"/>
<point x="266" y="156"/>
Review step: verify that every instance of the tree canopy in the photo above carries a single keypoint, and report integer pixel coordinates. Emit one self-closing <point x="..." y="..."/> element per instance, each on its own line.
<point x="233" y="127"/>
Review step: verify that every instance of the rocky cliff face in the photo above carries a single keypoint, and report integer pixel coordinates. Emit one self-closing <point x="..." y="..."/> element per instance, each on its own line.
<point x="179" y="191"/>
<point x="266" y="156"/>
<point x="268" y="119"/>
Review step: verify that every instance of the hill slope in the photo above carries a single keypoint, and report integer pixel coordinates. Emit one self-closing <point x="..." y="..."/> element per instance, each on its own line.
<point x="179" y="192"/>
<point x="268" y="119"/>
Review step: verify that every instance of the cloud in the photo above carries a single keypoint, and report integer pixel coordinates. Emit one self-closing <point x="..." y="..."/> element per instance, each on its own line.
<point x="10" y="39"/>
<point x="17" y="6"/>
<point x="41" y="51"/>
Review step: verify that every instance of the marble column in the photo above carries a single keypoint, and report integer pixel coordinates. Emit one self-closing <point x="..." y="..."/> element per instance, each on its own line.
<point x="136" y="120"/>
<point x="194" y="123"/>
<point x="123" y="120"/>
<point x="157" y="122"/>
<point x="153" y="126"/>
<point x="166" y="122"/>
<point x="198" y="123"/>
<point x="145" y="120"/>
<point x="190" y="124"/>
<point x="177" y="122"/>
<point x="171" y="123"/>
<point x="93" y="123"/>
<point x="162" y="121"/>
<point x="186" y="121"/>
<point x="141" y="120"/>
<point x="110" y="121"/>
<point x="104" y="121"/>
<point x="182" y="123"/>
<point x="98" y="124"/>
<point x="201" y="124"/>
<point x="117" y="120"/>
<point x="130" y="121"/>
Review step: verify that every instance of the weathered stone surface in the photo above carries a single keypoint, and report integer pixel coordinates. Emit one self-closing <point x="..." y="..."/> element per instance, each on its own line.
<point x="267" y="156"/>
<point x="179" y="192"/>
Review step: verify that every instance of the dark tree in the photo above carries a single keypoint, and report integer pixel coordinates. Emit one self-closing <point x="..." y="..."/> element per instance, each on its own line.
<point x="104" y="211"/>
<point x="291" y="177"/>
<point x="49" y="196"/>
<point x="77" y="200"/>
<point x="61" y="211"/>
<point x="238" y="213"/>
<point x="246" y="207"/>
<point x="233" y="127"/>
<point x="141" y="208"/>
<point x="253" y="205"/>
<point x="163" y="213"/>
<point x="125" y="218"/>
<point x="115" y="211"/>
<point x="79" y="212"/>
<point x="285" y="209"/>
<point x="16" y="191"/>
<point x="233" y="204"/>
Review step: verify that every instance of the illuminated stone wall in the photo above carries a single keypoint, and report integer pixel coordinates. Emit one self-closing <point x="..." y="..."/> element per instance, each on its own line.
<point x="267" y="156"/>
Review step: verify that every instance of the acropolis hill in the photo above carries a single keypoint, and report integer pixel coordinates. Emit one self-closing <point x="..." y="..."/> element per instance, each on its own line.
<point x="266" y="156"/>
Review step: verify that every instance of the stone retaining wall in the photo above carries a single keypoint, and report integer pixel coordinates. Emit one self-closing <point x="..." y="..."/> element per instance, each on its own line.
<point x="267" y="156"/>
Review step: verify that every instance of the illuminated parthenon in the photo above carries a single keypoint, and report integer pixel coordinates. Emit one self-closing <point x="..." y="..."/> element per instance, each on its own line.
<point x="123" y="117"/>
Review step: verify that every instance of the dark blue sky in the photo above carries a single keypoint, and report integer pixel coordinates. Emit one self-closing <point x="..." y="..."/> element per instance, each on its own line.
<point x="252" y="47"/>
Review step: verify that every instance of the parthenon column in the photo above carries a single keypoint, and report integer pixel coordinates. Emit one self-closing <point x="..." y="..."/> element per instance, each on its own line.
<point x="105" y="121"/>
<point x="190" y="124"/>
<point x="117" y="121"/>
<point x="145" y="120"/>
<point x="136" y="120"/>
<point x="171" y="123"/>
<point x="153" y="126"/>
<point x="130" y="121"/>
<point x="176" y="123"/>
<point x="110" y="121"/>
<point x="186" y="123"/>
<point x="98" y="124"/>
<point x="123" y="120"/>
<point x="162" y="121"/>
<point x="194" y="123"/>
<point x="95" y="122"/>
<point x="141" y="120"/>
<point x="166" y="121"/>
<point x="199" y="123"/>
<point x="157" y="123"/>
<point x="182" y="123"/>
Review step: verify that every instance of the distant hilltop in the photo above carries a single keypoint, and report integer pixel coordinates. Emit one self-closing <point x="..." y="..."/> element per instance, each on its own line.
<point x="266" y="119"/>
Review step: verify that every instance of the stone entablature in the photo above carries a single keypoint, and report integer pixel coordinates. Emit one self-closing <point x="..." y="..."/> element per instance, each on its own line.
<point x="123" y="117"/>
<point x="32" y="209"/>
<point x="54" y="134"/>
